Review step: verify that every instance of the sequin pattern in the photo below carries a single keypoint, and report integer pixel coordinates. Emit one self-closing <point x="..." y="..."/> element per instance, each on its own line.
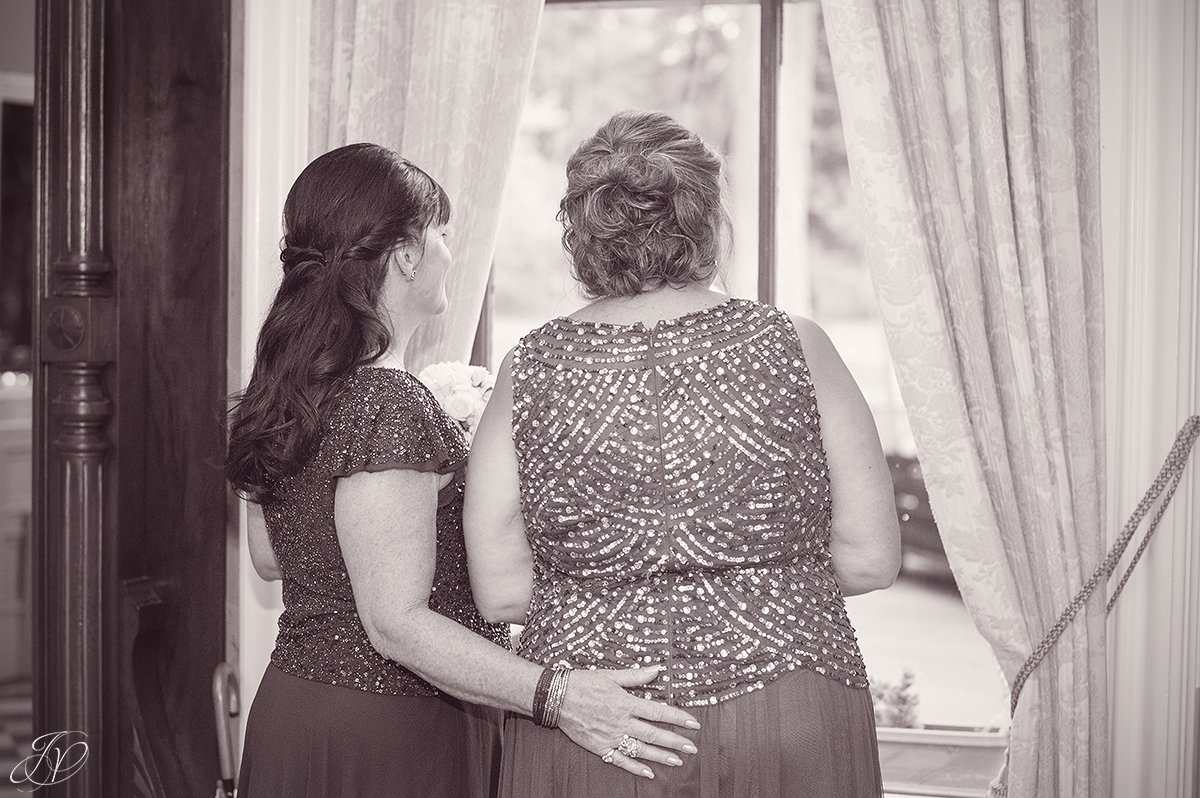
<point x="676" y="497"/>
<point x="385" y="418"/>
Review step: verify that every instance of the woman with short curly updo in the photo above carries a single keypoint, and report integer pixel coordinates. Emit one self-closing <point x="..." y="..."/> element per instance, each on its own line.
<point x="359" y="474"/>
<point x="674" y="476"/>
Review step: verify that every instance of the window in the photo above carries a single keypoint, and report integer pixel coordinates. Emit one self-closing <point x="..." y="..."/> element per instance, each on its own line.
<point x="700" y="64"/>
<point x="789" y="179"/>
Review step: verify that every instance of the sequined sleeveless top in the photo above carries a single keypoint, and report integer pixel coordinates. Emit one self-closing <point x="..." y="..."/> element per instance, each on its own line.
<point x="676" y="498"/>
<point x="384" y="419"/>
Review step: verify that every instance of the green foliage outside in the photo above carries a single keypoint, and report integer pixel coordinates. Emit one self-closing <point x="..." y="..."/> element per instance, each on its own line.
<point x="896" y="702"/>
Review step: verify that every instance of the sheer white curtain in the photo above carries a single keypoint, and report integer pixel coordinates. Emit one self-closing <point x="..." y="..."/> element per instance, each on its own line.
<point x="442" y="83"/>
<point x="972" y="131"/>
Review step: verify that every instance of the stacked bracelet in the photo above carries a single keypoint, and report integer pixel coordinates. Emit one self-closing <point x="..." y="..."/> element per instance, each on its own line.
<point x="558" y="694"/>
<point x="540" y="694"/>
<point x="549" y="696"/>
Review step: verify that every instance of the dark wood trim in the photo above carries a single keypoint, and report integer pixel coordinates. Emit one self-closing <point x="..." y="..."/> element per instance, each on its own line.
<point x="132" y="117"/>
<point x="73" y="350"/>
<point x="168" y="129"/>
<point x="144" y="618"/>
<point x="770" y="58"/>
<point x="481" y="350"/>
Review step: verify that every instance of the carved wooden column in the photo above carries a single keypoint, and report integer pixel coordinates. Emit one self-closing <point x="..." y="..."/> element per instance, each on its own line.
<point x="75" y="346"/>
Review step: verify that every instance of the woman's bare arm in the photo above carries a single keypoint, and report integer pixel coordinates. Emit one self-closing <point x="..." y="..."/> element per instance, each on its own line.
<point x="865" y="542"/>
<point x="498" y="553"/>
<point x="261" y="553"/>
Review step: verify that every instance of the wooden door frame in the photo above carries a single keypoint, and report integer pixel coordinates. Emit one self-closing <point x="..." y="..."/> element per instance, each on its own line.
<point x="74" y="323"/>
<point x="132" y="120"/>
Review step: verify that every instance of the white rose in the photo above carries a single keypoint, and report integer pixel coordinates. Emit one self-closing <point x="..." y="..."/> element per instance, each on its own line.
<point x="460" y="404"/>
<point x="438" y="376"/>
<point x="479" y="376"/>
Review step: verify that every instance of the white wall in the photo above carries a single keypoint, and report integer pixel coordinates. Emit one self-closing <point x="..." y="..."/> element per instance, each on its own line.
<point x="269" y="148"/>
<point x="1150" y="182"/>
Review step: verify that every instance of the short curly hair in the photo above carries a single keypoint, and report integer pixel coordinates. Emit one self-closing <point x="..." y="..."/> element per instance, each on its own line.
<point x="644" y="207"/>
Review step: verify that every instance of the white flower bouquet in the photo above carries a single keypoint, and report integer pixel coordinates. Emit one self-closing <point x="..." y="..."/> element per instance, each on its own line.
<point x="462" y="391"/>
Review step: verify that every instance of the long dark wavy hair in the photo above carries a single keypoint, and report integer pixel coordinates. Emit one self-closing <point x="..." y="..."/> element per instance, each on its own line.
<point x="346" y="212"/>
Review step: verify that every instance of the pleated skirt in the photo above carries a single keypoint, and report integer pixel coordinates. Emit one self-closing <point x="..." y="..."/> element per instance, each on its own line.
<point x="307" y="739"/>
<point x="802" y="736"/>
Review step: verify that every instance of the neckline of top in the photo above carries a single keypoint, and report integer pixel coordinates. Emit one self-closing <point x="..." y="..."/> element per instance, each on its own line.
<point x="386" y="370"/>
<point x="658" y="325"/>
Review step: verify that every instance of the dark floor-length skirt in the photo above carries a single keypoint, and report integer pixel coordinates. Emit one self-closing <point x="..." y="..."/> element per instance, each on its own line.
<point x="307" y="739"/>
<point x="801" y="736"/>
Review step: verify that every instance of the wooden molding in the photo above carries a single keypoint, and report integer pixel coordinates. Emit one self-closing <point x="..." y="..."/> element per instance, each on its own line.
<point x="71" y="513"/>
<point x="132" y="143"/>
<point x="145" y="616"/>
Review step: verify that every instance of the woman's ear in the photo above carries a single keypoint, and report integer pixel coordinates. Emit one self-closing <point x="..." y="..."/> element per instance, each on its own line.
<point x="405" y="256"/>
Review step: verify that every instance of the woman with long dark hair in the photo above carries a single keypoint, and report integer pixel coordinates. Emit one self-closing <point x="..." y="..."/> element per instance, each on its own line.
<point x="381" y="657"/>
<point x="674" y="475"/>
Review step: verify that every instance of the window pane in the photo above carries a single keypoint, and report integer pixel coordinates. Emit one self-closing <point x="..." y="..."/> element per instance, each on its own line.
<point x="698" y="63"/>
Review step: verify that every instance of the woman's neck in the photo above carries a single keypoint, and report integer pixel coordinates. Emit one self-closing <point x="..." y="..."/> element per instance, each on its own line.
<point x="389" y="360"/>
<point x="648" y="308"/>
<point x="393" y="358"/>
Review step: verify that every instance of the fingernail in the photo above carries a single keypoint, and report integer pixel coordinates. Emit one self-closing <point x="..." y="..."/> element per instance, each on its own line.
<point x="691" y="749"/>
<point x="692" y="724"/>
<point x="674" y="760"/>
<point x="648" y="773"/>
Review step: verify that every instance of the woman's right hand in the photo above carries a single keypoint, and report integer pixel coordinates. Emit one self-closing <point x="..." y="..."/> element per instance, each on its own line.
<point x="597" y="712"/>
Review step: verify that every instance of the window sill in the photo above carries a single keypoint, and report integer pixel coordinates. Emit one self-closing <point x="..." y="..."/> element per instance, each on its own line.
<point x="940" y="763"/>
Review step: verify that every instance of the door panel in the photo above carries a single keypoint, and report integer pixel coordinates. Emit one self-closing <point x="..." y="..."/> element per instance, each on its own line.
<point x="130" y="505"/>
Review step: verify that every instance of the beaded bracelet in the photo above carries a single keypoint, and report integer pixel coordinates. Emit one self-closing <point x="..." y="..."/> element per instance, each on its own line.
<point x="549" y="695"/>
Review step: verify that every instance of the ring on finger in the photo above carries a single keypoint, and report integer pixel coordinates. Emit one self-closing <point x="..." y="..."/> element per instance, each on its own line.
<point x="629" y="746"/>
<point x="608" y="757"/>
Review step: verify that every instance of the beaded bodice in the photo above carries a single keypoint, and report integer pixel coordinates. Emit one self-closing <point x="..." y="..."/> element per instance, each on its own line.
<point x="383" y="419"/>
<point x="675" y="494"/>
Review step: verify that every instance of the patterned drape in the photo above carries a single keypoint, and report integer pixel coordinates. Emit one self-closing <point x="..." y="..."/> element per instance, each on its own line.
<point x="972" y="131"/>
<point x="441" y="82"/>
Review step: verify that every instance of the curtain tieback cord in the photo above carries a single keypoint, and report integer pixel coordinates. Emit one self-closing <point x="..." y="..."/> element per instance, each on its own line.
<point x="1168" y="478"/>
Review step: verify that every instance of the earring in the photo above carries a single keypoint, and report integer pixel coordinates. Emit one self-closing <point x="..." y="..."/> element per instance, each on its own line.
<point x="413" y="274"/>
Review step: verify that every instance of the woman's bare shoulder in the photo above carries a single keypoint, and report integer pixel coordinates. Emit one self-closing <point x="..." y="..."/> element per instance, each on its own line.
<point x="819" y="351"/>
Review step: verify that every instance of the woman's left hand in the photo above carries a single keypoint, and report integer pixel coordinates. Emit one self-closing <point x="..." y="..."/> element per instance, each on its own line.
<point x="600" y="715"/>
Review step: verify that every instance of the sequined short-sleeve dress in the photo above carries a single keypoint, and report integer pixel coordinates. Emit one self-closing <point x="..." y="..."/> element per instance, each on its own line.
<point x="332" y="717"/>
<point x="676" y="498"/>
